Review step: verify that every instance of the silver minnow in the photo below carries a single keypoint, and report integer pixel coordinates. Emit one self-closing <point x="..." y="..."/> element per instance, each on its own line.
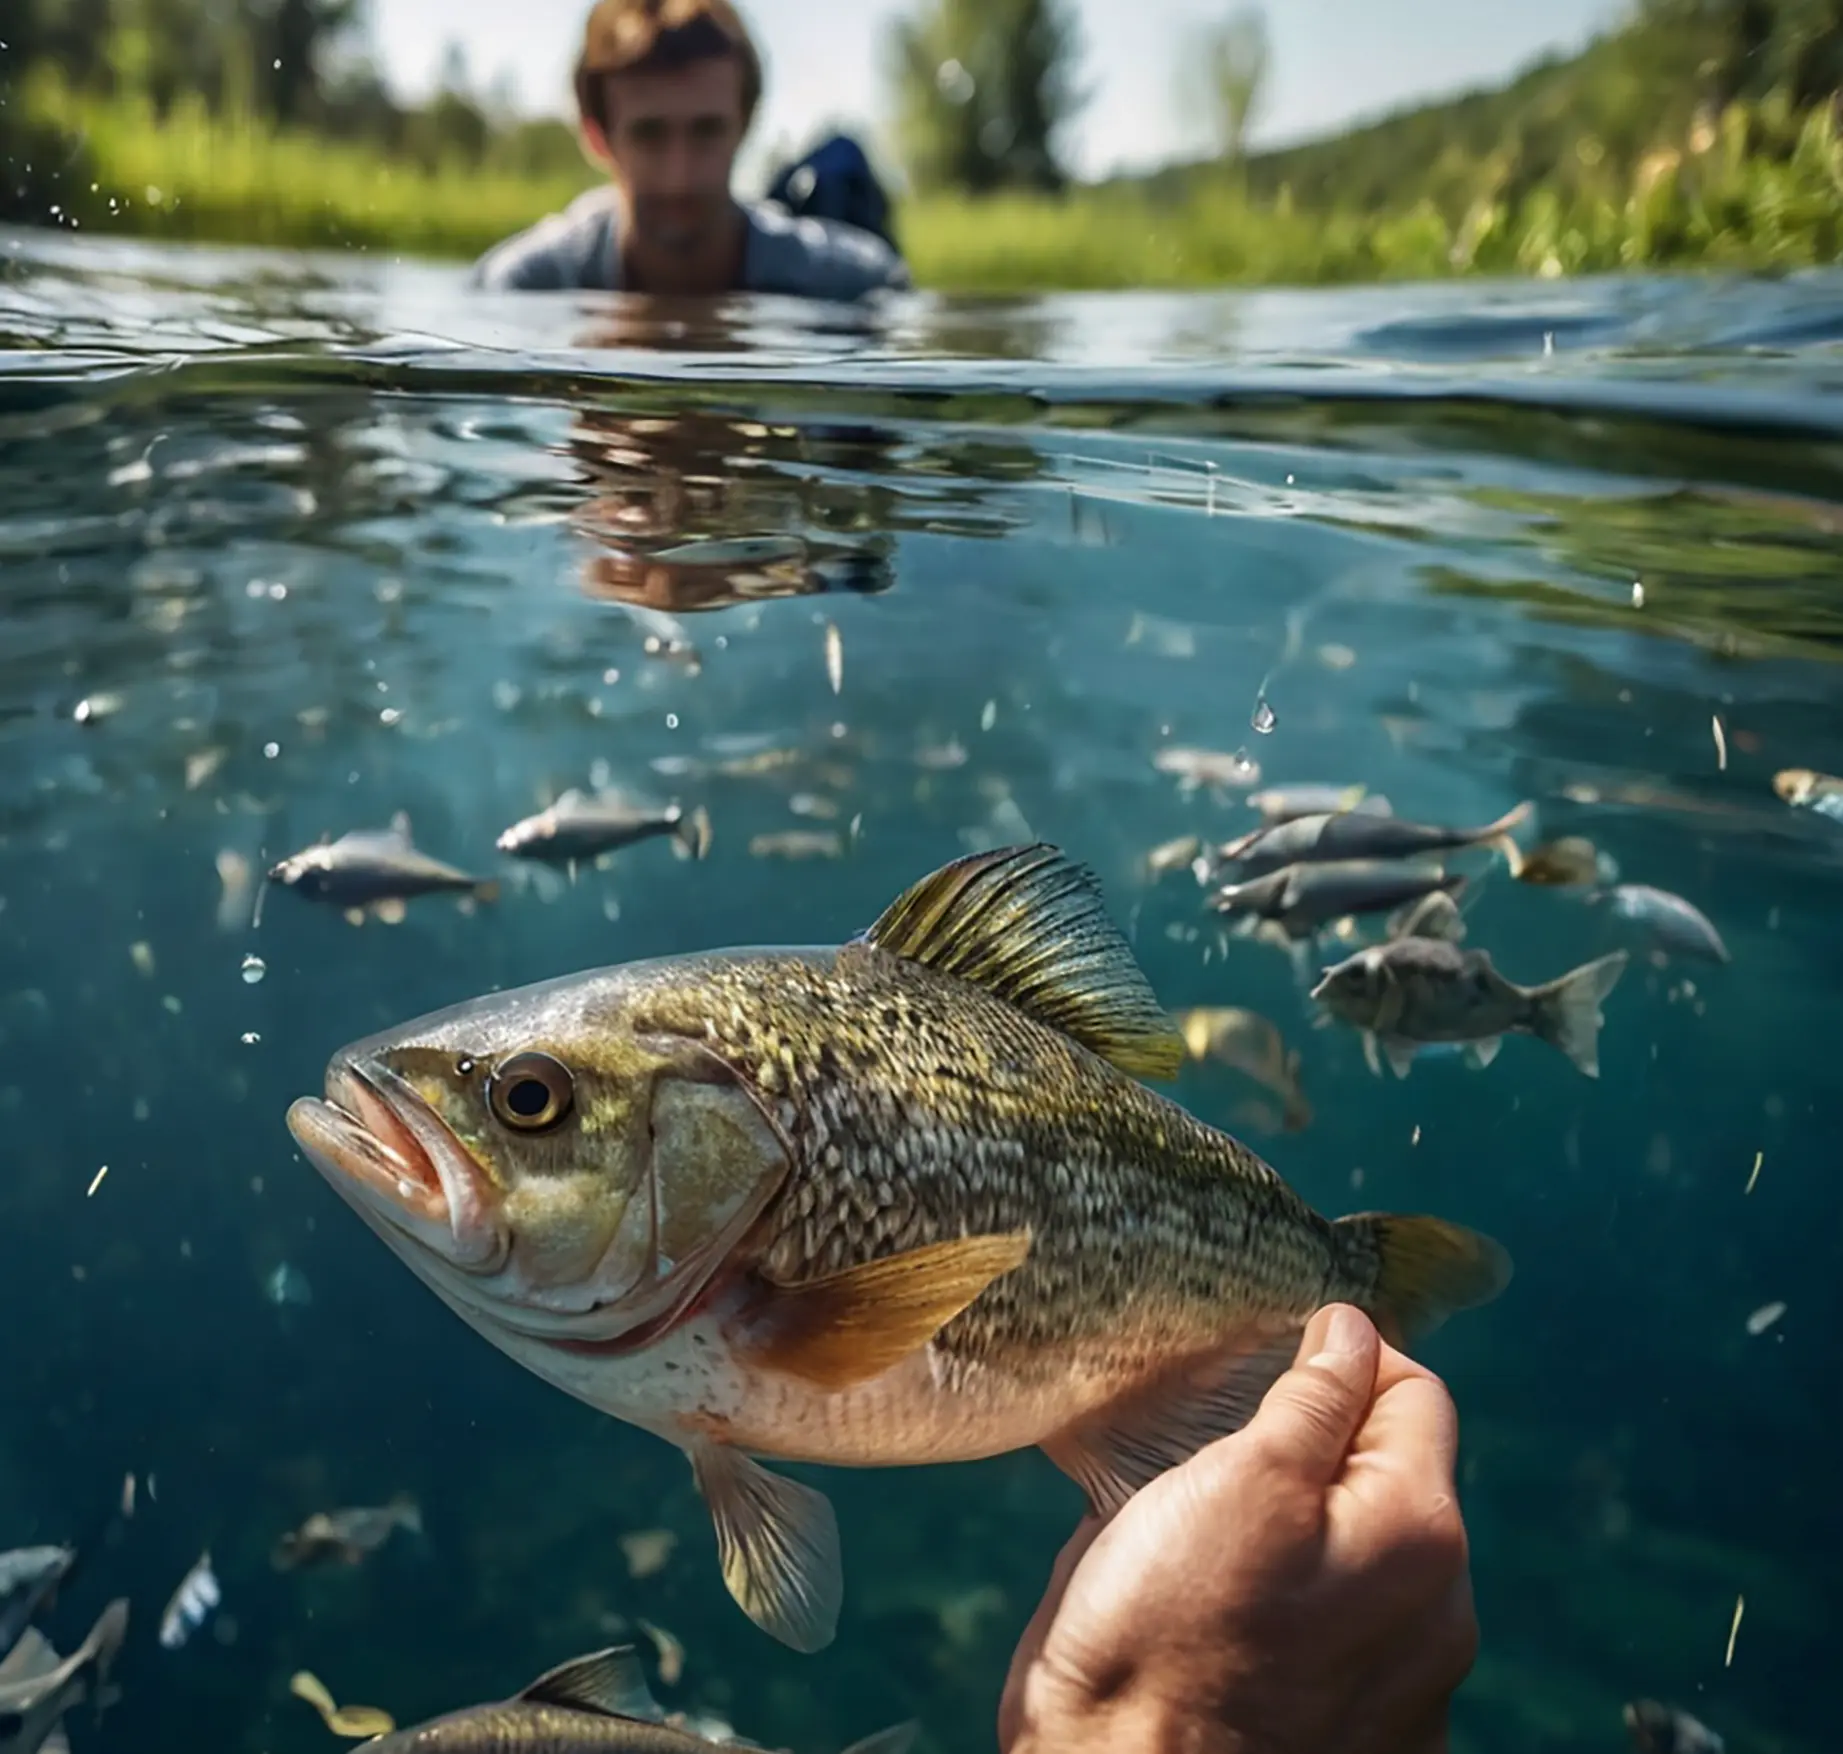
<point x="370" y="865"/>
<point x="1357" y="834"/>
<point x="583" y="825"/>
<point x="1302" y="898"/>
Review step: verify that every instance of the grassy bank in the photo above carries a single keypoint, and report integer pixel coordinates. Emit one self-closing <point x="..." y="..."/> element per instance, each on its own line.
<point x="1759" y="187"/>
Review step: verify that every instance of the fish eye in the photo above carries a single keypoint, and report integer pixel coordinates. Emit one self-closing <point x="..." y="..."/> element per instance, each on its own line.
<point x="530" y="1092"/>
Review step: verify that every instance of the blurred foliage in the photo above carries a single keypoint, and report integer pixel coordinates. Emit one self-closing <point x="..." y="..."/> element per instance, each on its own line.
<point x="981" y="88"/>
<point x="1222" y="71"/>
<point x="1703" y="132"/>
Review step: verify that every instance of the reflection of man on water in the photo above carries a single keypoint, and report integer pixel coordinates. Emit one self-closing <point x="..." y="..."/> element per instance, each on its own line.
<point x="665" y="90"/>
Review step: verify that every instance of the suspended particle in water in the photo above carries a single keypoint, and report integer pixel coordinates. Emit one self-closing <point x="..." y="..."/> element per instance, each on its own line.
<point x="671" y="721"/>
<point x="1764" y="1317"/>
<point x="250" y="1038"/>
<point x="988" y="715"/>
<point x="254" y="968"/>
<point x="835" y="656"/>
<point x="1264" y="718"/>
<point x="1638" y="595"/>
<point x="270" y="750"/>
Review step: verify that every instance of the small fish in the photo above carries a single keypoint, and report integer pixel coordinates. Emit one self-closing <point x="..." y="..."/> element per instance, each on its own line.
<point x="190" y="1604"/>
<point x="29" y="1579"/>
<point x="1302" y="899"/>
<point x="1213" y="768"/>
<point x="1423" y="991"/>
<point x="368" y="867"/>
<point x="346" y="1536"/>
<point x="1567" y="863"/>
<point x="594" y="1704"/>
<point x="37" y="1689"/>
<point x="1672" y="926"/>
<point x="1172" y="855"/>
<point x="583" y="825"/>
<point x="1433" y="916"/>
<point x="798" y="843"/>
<point x="836" y="1204"/>
<point x="1808" y="789"/>
<point x="1359" y="834"/>
<point x="1656" y="1728"/>
<point x="1279" y="804"/>
<point x="1253" y="1046"/>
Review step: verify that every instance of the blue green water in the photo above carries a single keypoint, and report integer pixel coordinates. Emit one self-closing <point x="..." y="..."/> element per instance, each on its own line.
<point x="288" y="546"/>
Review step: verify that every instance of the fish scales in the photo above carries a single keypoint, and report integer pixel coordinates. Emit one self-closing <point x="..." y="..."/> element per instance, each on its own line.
<point x="923" y="1109"/>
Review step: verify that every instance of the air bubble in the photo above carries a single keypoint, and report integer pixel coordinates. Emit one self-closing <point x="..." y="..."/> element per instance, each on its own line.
<point x="254" y="968"/>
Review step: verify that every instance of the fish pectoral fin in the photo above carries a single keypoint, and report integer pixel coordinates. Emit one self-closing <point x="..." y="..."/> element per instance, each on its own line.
<point x="1479" y="1054"/>
<point x="778" y="1544"/>
<point x="393" y="910"/>
<point x="1399" y="1054"/>
<point x="399" y="826"/>
<point x="1372" y="1055"/>
<point x="1117" y="1451"/>
<point x="610" y="1682"/>
<point x="897" y="1739"/>
<point x="1028" y="924"/>
<point x="853" y="1325"/>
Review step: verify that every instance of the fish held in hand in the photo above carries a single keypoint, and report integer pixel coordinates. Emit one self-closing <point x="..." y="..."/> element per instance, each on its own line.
<point x="1423" y="992"/>
<point x="1303" y="899"/>
<point x="373" y="868"/>
<point x="584" y="825"/>
<point x="858" y="1205"/>
<point x="1361" y="834"/>
<point x="594" y="1704"/>
<point x="37" y="1688"/>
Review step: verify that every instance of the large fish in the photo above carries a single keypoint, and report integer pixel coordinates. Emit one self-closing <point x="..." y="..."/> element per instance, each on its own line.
<point x="597" y="1704"/>
<point x="898" y="1201"/>
<point x="36" y="1688"/>
<point x="1303" y="899"/>
<point x="29" y="1578"/>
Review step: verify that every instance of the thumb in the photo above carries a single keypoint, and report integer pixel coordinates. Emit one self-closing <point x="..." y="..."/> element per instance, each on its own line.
<point x="1311" y="1415"/>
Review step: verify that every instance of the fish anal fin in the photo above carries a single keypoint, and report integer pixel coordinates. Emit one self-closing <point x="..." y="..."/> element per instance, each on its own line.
<point x="1372" y="1055"/>
<point x="1028" y="924"/>
<point x="1399" y="1054"/>
<point x="1111" y="1454"/>
<point x="778" y="1544"/>
<point x="610" y="1683"/>
<point x="1479" y="1054"/>
<point x="855" y="1324"/>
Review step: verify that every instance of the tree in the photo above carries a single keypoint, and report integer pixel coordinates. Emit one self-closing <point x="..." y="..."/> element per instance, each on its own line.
<point x="1224" y="70"/>
<point x="983" y="89"/>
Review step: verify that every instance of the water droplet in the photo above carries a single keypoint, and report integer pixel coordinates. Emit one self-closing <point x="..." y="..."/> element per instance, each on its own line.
<point x="390" y="715"/>
<point x="671" y="721"/>
<point x="254" y="968"/>
<point x="1264" y="719"/>
<point x="250" y="1037"/>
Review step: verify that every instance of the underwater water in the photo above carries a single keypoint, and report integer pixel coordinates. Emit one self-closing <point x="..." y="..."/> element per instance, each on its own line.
<point x="289" y="545"/>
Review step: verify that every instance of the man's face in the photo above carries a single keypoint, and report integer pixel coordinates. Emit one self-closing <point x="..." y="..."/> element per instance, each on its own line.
<point x="672" y="138"/>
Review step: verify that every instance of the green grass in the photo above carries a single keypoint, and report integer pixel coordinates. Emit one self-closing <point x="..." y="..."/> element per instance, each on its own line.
<point x="1763" y="189"/>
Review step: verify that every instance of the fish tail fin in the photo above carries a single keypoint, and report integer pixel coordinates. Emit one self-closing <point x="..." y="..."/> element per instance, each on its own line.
<point x="105" y="1640"/>
<point x="1425" y="1270"/>
<point x="1499" y="836"/>
<point x="408" y="1513"/>
<point x="692" y="834"/>
<point x="1567" y="1010"/>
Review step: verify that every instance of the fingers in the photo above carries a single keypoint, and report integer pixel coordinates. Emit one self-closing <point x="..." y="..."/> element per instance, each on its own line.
<point x="1312" y="1414"/>
<point x="1011" y="1703"/>
<point x="1412" y="1417"/>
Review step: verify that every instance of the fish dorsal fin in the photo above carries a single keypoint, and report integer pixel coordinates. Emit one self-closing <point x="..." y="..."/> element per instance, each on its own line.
<point x="609" y="1682"/>
<point x="1027" y="923"/>
<point x="399" y="826"/>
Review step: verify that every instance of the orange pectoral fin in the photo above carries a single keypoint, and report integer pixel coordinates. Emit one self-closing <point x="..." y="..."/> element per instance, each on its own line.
<point x="853" y="1325"/>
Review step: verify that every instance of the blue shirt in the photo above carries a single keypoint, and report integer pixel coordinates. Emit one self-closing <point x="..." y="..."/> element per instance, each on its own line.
<point x="580" y="249"/>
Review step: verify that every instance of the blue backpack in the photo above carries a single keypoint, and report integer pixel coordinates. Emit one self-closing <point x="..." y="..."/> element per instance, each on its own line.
<point x="835" y="181"/>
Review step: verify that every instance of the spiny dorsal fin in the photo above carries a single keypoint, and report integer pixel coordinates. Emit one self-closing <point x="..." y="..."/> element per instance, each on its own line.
<point x="609" y="1682"/>
<point x="1027" y="924"/>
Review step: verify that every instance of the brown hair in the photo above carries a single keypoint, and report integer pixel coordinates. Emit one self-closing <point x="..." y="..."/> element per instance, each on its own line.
<point x="657" y="36"/>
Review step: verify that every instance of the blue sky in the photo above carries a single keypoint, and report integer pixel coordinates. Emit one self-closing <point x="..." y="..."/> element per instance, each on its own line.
<point x="1332" y="59"/>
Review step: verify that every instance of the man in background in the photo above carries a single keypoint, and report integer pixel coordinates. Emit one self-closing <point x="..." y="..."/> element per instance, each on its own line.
<point x="665" y="91"/>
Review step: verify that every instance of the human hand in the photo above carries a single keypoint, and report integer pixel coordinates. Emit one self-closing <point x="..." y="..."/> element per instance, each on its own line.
<point x="1300" y="1587"/>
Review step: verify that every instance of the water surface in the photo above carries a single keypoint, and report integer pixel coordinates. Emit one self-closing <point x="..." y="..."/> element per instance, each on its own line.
<point x="290" y="544"/>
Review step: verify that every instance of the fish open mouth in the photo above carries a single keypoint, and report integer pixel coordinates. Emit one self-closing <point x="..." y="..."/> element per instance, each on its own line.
<point x="375" y="1130"/>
